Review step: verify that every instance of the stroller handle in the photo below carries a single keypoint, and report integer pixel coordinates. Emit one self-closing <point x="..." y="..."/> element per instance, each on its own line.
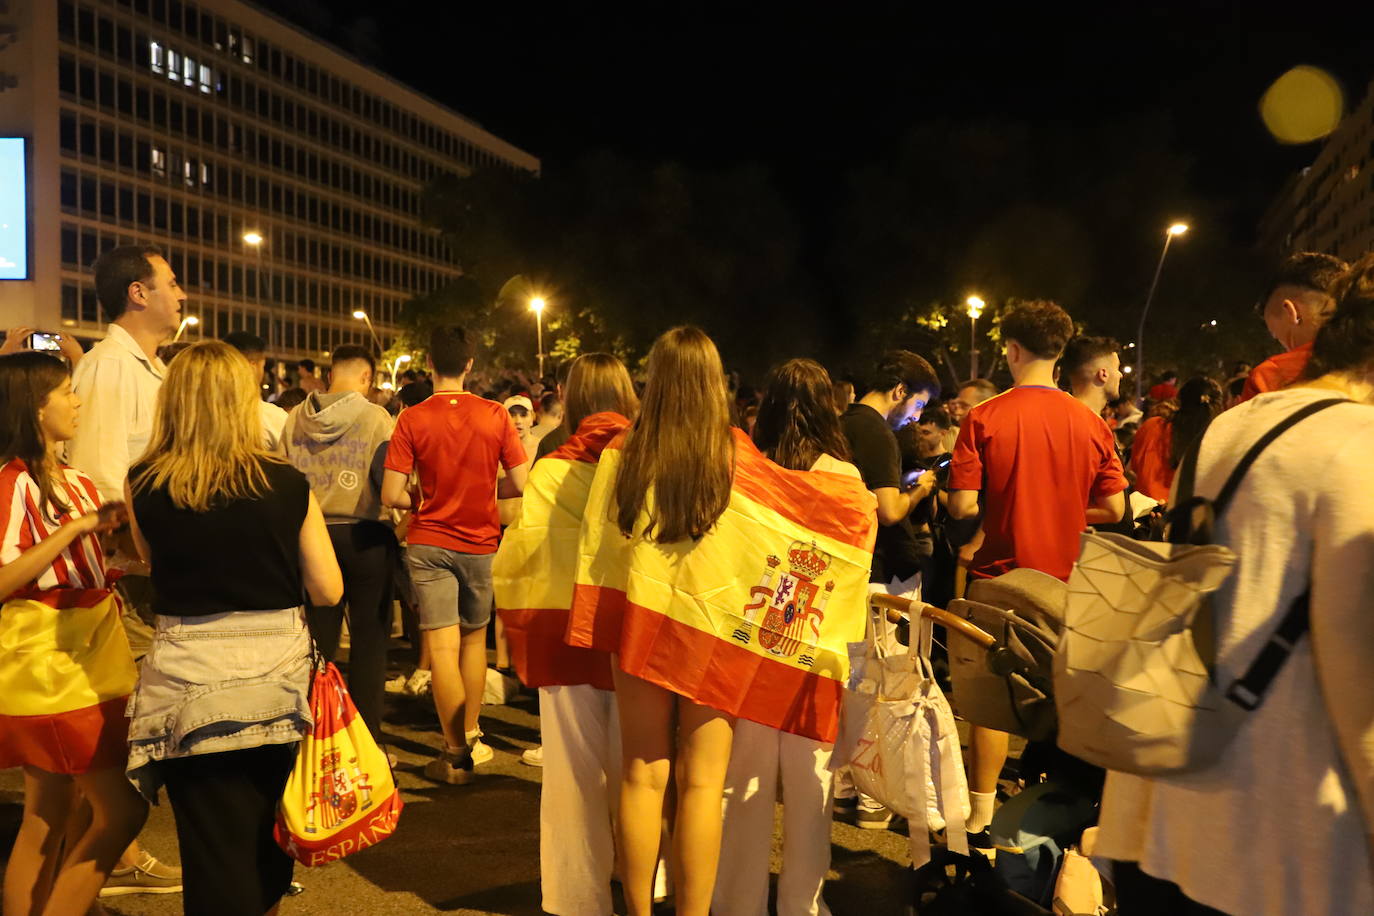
<point x="897" y="607"/>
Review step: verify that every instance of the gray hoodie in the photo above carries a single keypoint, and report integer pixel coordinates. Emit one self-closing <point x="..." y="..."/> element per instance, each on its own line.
<point x="338" y="441"/>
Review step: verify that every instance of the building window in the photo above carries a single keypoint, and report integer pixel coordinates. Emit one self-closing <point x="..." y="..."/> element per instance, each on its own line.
<point x="207" y="78"/>
<point x="189" y="71"/>
<point x="159" y="161"/>
<point x="156" y="57"/>
<point x="173" y="65"/>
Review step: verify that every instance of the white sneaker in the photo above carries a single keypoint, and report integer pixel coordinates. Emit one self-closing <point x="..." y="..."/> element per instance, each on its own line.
<point x="481" y="753"/>
<point x="418" y="684"/>
<point x="397" y="684"/>
<point x="533" y="757"/>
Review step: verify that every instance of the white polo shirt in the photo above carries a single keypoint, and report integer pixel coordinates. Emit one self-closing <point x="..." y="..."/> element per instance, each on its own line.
<point x="118" y="386"/>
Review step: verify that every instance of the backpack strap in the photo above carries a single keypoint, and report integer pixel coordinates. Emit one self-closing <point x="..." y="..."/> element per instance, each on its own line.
<point x="1228" y="490"/>
<point x="1249" y="689"/>
<point x="1185" y="528"/>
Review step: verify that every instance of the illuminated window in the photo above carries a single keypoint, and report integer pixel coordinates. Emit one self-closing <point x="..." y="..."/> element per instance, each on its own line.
<point x="159" y="161"/>
<point x="155" y="56"/>
<point x="247" y="50"/>
<point x="173" y="65"/>
<point x="188" y="71"/>
<point x="206" y="79"/>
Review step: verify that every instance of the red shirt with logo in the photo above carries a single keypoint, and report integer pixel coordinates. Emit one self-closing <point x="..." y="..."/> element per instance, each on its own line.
<point x="1277" y="372"/>
<point x="455" y="441"/>
<point x="1040" y="457"/>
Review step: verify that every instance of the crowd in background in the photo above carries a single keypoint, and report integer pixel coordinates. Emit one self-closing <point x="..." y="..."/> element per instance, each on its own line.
<point x="253" y="508"/>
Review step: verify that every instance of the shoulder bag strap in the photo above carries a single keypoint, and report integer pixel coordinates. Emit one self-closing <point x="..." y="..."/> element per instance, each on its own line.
<point x="1249" y="689"/>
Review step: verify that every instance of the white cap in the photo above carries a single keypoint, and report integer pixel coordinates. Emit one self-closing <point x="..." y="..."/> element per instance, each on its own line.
<point x="518" y="400"/>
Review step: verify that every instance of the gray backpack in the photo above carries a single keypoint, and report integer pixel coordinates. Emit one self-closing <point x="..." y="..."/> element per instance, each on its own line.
<point x="1134" y="675"/>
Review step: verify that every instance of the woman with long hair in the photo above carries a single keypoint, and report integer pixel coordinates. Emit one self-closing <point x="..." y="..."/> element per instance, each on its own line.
<point x="1161" y="442"/>
<point x="234" y="539"/>
<point x="797" y="428"/>
<point x="65" y="665"/>
<point x="533" y="574"/>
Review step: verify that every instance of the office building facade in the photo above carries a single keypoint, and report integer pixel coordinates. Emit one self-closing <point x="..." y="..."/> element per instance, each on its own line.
<point x="283" y="178"/>
<point x="1329" y="206"/>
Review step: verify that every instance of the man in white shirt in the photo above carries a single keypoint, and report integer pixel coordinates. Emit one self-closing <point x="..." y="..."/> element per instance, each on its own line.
<point x="118" y="380"/>
<point x="254" y="349"/>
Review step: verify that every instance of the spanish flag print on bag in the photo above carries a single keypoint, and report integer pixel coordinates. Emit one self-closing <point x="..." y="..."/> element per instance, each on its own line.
<point x="340" y="796"/>
<point x="536" y="565"/>
<point x="755" y="618"/>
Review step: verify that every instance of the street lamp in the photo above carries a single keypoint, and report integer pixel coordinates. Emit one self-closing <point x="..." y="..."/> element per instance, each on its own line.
<point x="1175" y="230"/>
<point x="362" y="316"/>
<point x="537" y="306"/>
<point x="975" y="308"/>
<point x="396" y="365"/>
<point x="254" y="239"/>
<point x="189" y="320"/>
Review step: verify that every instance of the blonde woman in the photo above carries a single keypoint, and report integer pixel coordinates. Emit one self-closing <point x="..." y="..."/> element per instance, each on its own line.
<point x="234" y="539"/>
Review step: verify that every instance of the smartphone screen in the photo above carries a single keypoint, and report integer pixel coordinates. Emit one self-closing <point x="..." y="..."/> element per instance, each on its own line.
<point x="44" y="342"/>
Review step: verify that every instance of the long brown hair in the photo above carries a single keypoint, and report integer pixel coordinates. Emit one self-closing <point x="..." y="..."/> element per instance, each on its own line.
<point x="797" y="422"/>
<point x="27" y="380"/>
<point x="597" y="382"/>
<point x="207" y="446"/>
<point x="681" y="444"/>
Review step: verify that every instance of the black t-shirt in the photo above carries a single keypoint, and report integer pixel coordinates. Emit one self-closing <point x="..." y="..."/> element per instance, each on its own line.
<point x="873" y="449"/>
<point x="551" y="440"/>
<point x="242" y="556"/>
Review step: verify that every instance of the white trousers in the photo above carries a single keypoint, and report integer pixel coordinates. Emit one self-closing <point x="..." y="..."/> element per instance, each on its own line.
<point x="760" y="758"/>
<point x="581" y="735"/>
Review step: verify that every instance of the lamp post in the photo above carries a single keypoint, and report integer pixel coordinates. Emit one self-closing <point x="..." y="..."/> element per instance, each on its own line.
<point x="396" y="365"/>
<point x="537" y="306"/>
<point x="188" y="321"/>
<point x="254" y="239"/>
<point x="1175" y="230"/>
<point x="362" y="316"/>
<point x="975" y="309"/>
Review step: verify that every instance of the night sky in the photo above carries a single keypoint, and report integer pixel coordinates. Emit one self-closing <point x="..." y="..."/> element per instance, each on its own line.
<point x="812" y="96"/>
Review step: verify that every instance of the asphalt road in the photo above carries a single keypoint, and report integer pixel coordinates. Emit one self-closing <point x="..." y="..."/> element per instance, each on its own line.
<point x="475" y="848"/>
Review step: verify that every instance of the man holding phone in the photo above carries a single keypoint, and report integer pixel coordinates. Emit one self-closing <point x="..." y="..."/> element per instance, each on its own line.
<point x="895" y="394"/>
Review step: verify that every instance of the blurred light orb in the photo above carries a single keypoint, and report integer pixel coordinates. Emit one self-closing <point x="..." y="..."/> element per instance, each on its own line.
<point x="1303" y="105"/>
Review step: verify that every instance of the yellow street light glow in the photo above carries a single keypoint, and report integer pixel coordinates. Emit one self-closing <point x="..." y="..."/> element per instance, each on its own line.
<point x="975" y="306"/>
<point x="192" y="320"/>
<point x="360" y="315"/>
<point x="537" y="304"/>
<point x="253" y="238"/>
<point x="1127" y="369"/>
<point x="403" y="358"/>
<point x="1178" y="228"/>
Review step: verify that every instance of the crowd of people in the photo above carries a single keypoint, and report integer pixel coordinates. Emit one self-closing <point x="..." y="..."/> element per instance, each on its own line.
<point x="181" y="526"/>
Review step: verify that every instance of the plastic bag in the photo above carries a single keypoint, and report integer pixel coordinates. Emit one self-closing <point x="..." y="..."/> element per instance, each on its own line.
<point x="341" y="796"/>
<point x="908" y="755"/>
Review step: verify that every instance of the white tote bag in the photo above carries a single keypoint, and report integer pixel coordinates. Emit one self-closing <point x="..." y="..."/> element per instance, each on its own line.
<point x="908" y="755"/>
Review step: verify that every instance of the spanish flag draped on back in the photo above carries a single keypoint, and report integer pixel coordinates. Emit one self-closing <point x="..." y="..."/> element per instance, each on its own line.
<point x="755" y="618"/>
<point x="535" y="567"/>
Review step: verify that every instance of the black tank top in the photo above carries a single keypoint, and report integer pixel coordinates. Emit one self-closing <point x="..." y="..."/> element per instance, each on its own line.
<point x="242" y="556"/>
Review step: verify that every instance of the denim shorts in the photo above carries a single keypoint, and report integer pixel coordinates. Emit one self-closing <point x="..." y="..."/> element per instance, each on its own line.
<point x="451" y="587"/>
<point x="221" y="682"/>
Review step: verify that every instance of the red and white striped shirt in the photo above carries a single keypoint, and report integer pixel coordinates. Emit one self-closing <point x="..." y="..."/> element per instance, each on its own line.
<point x="82" y="564"/>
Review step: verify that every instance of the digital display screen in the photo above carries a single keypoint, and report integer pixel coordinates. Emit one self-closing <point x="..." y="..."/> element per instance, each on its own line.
<point x="14" y="210"/>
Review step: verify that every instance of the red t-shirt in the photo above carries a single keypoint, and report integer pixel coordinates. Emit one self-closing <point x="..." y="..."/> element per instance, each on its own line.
<point x="455" y="441"/>
<point x="1040" y="457"/>
<point x="1277" y="372"/>
<point x="1150" y="452"/>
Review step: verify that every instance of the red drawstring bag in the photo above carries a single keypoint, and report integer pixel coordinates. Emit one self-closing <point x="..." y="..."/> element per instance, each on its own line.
<point x="341" y="796"/>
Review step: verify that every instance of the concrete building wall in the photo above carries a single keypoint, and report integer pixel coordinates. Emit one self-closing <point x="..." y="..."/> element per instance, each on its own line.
<point x="190" y="125"/>
<point x="1329" y="206"/>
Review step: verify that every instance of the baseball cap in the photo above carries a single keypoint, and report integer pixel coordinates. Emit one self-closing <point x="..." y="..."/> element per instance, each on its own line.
<point x="519" y="400"/>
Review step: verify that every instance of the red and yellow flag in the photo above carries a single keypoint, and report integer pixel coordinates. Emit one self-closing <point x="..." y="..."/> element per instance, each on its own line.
<point x="755" y="619"/>
<point x="535" y="567"/>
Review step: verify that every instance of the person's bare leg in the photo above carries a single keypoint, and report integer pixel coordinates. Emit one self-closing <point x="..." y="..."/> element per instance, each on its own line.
<point x="447" y="685"/>
<point x="704" y="738"/>
<point x="425" y="662"/>
<point x="646" y="741"/>
<point x="472" y="659"/>
<point x="117" y="814"/>
<point x="987" y="754"/>
<point x="49" y="800"/>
